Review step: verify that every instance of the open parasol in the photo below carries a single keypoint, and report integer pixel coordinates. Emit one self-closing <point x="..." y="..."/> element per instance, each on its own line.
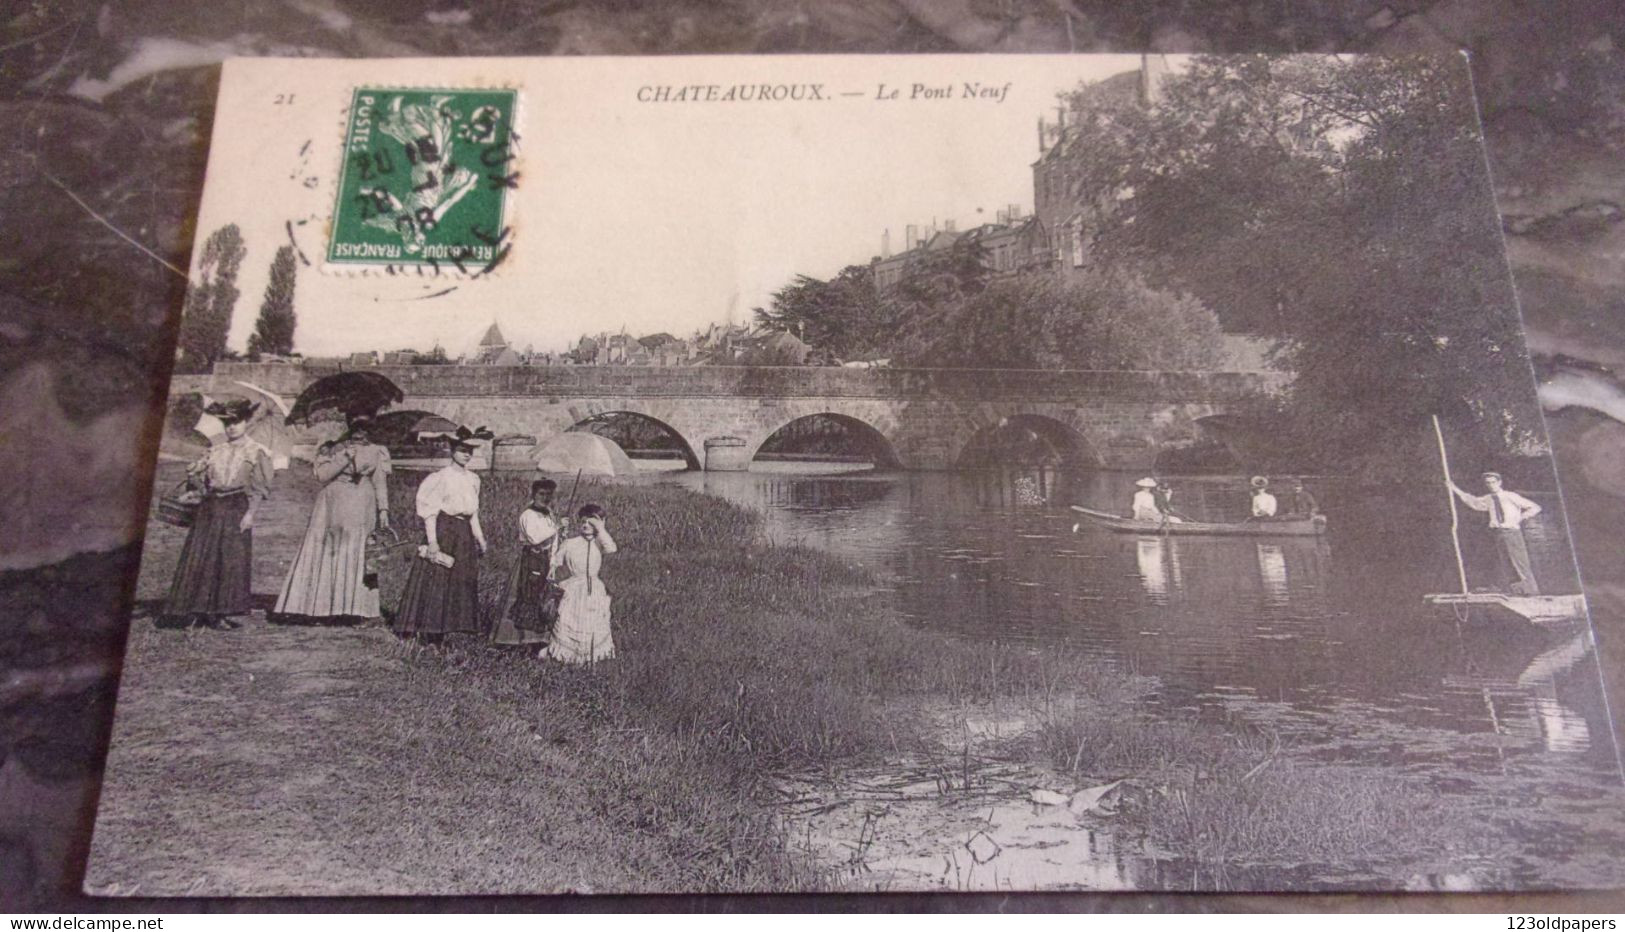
<point x="351" y="394"/>
<point x="583" y="453"/>
<point x="433" y="425"/>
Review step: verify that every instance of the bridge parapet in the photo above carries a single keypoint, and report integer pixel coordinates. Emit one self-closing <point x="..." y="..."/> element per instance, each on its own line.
<point x="1035" y="385"/>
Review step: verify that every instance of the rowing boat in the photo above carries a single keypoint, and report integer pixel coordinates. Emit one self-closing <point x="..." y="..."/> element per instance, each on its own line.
<point x="1257" y="527"/>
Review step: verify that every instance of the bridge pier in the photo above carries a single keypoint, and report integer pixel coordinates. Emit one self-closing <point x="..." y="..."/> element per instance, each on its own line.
<point x="726" y="454"/>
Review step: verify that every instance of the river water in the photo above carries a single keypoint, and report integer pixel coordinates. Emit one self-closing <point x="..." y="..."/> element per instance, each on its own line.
<point x="1324" y="641"/>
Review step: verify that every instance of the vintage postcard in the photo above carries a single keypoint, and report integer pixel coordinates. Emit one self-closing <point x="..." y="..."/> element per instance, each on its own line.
<point x="854" y="474"/>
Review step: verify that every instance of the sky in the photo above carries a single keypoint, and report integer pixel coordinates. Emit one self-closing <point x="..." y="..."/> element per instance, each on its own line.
<point x="655" y="216"/>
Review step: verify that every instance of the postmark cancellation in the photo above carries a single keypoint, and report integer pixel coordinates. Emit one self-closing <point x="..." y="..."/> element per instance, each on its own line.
<point x="426" y="181"/>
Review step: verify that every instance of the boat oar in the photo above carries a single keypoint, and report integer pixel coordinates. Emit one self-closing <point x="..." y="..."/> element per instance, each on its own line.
<point x="1455" y="521"/>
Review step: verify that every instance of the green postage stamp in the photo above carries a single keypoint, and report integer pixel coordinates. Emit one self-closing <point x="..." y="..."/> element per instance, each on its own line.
<point x="425" y="182"/>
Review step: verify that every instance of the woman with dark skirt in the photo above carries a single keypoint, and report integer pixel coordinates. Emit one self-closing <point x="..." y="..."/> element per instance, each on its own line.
<point x="212" y="580"/>
<point x="521" y="622"/>
<point x="442" y="592"/>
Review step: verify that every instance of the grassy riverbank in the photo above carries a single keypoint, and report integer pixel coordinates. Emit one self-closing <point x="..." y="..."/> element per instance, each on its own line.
<point x="285" y="759"/>
<point x="778" y="656"/>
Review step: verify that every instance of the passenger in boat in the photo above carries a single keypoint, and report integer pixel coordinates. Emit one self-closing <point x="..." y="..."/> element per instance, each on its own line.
<point x="1143" y="507"/>
<point x="1303" y="503"/>
<point x="1152" y="502"/>
<point x="1508" y="511"/>
<point x="1264" y="505"/>
<point x="1165" y="502"/>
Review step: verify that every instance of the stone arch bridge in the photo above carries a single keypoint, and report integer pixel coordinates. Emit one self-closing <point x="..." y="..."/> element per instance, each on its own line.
<point x="926" y="418"/>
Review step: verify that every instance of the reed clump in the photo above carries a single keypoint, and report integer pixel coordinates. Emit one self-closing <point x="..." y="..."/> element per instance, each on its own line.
<point x="1235" y="796"/>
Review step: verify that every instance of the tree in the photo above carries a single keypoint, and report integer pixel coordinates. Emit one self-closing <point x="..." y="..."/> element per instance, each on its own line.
<point x="273" y="331"/>
<point x="844" y="315"/>
<point x="210" y="300"/>
<point x="1342" y="206"/>
<point x="1100" y="321"/>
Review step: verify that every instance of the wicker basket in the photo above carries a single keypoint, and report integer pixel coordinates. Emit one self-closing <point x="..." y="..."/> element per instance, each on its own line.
<point x="179" y="505"/>
<point x="382" y="542"/>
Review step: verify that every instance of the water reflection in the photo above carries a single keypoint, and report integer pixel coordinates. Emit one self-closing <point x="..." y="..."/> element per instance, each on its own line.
<point x="1323" y="639"/>
<point x="1151" y="554"/>
<point x="1272" y="571"/>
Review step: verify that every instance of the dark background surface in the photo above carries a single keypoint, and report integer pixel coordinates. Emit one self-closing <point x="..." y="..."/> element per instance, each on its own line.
<point x="98" y="199"/>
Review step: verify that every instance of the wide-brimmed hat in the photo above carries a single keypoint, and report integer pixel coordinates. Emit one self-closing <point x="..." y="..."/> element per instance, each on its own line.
<point x="232" y="410"/>
<point x="1260" y="482"/>
<point x="466" y="439"/>
<point x="1146" y="483"/>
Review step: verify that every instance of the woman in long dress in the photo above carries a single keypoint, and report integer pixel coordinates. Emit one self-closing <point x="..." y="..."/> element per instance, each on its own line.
<point x="440" y="599"/>
<point x="328" y="578"/>
<point x="582" y="633"/>
<point x="212" y="579"/>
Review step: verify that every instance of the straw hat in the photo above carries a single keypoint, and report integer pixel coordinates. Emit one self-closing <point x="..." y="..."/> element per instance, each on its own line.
<point x="1146" y="483"/>
<point x="232" y="411"/>
<point x="1260" y="482"/>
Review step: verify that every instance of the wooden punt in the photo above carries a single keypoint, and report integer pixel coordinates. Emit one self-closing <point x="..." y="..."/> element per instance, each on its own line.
<point x="1557" y="612"/>
<point x="1257" y="527"/>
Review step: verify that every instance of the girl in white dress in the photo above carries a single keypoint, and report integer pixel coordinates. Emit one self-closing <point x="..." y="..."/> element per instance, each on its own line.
<point x="582" y="633"/>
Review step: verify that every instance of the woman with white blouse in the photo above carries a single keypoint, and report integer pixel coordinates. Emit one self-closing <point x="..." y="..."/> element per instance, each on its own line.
<point x="582" y="634"/>
<point x="441" y="598"/>
<point x="522" y="620"/>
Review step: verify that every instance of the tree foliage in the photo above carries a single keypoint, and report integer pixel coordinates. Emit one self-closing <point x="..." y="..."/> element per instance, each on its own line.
<point x="273" y="331"/>
<point x="210" y="300"/>
<point x="1099" y="321"/>
<point x="1342" y="206"/>
<point x="949" y="311"/>
<point x="844" y="315"/>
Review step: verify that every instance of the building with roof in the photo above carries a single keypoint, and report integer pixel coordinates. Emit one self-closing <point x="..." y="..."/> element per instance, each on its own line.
<point x="1010" y="245"/>
<point x="493" y="350"/>
<point x="1069" y="206"/>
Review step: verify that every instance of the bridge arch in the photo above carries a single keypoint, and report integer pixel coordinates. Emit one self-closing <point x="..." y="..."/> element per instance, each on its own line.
<point x="636" y="431"/>
<point x="833" y="426"/>
<point x="1026" y="437"/>
<point x="1223" y="442"/>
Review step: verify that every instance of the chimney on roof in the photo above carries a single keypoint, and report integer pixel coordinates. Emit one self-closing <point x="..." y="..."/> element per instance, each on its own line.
<point x="885" y="244"/>
<point x="911" y="239"/>
<point x="948" y="225"/>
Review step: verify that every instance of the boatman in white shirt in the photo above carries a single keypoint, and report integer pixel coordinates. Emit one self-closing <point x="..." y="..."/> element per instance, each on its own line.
<point x="1508" y="511"/>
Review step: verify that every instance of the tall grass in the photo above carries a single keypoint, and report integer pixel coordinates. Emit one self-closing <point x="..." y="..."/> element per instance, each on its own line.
<point x="780" y="655"/>
<point x="1237" y="796"/>
<point x="737" y="657"/>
